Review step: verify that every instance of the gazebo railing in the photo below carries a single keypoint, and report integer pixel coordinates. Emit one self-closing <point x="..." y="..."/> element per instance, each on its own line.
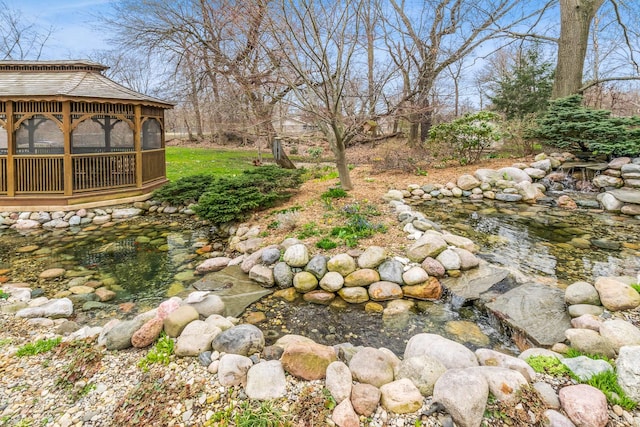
<point x="45" y="174"/>
<point x="39" y="174"/>
<point x="103" y="171"/>
<point x="3" y="175"/>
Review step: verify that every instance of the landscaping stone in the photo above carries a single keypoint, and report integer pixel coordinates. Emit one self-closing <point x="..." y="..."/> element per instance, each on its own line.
<point x="178" y="319"/>
<point x="232" y="370"/>
<point x="585" y="405"/>
<point x="339" y="380"/>
<point x="342" y="263"/>
<point x="391" y="271"/>
<point x="365" y="398"/>
<point x="317" y="266"/>
<point x="266" y="381"/>
<point x="242" y="339"/>
<point x="296" y="255"/>
<point x="371" y="366"/>
<point x="400" y="397"/>
<point x="372" y="257"/>
<point x="308" y="360"/>
<point x="463" y="393"/>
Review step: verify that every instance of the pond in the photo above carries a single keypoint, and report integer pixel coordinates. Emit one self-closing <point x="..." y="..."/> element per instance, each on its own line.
<point x="149" y="259"/>
<point x="564" y="245"/>
<point x="142" y="260"/>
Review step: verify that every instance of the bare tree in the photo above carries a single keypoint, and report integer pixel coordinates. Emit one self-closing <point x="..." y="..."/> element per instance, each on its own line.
<point x="223" y="40"/>
<point x="20" y="38"/>
<point x="439" y="34"/>
<point x="319" y="44"/>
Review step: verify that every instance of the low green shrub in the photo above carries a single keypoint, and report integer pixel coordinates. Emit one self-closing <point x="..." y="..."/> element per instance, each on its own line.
<point x="184" y="190"/>
<point x="468" y="136"/>
<point x="233" y="198"/>
<point x="607" y="382"/>
<point x="548" y="365"/>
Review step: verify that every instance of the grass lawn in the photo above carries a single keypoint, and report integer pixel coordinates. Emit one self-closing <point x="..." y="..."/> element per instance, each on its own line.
<point x="184" y="161"/>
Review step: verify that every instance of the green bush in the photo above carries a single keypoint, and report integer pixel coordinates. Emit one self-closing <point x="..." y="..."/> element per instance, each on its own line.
<point x="232" y="198"/>
<point x="570" y="126"/>
<point x="468" y="136"/>
<point x="184" y="190"/>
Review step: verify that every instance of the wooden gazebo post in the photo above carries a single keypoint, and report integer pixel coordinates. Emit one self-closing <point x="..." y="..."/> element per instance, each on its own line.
<point x="11" y="148"/>
<point x="67" y="162"/>
<point x="137" y="142"/>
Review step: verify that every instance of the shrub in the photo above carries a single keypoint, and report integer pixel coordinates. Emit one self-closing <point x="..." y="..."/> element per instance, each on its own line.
<point x="232" y="198"/>
<point x="569" y="125"/>
<point x="469" y="136"/>
<point x="184" y="190"/>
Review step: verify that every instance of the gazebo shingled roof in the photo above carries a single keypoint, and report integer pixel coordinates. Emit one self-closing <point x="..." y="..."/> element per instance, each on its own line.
<point x="69" y="79"/>
<point x="69" y="135"/>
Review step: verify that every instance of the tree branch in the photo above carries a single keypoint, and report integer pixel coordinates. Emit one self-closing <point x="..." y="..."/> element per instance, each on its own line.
<point x="531" y="36"/>
<point x="608" y="79"/>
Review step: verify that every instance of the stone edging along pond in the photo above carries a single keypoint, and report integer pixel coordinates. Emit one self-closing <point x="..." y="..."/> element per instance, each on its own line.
<point x="381" y="378"/>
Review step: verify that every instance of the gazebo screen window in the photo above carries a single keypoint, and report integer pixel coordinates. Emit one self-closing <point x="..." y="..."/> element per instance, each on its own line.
<point x="39" y="135"/>
<point x="3" y="141"/>
<point x="151" y="135"/>
<point x="104" y="134"/>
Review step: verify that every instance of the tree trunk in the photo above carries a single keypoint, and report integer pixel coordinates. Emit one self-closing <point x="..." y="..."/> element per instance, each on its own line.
<point x="283" y="161"/>
<point x="426" y="120"/>
<point x="575" y="21"/>
<point x="343" y="167"/>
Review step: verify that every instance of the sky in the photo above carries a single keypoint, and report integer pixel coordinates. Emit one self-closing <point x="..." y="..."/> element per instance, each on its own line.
<point x="76" y="32"/>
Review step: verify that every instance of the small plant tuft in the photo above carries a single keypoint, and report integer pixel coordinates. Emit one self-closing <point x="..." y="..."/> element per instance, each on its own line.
<point x="160" y="353"/>
<point x="548" y="365"/>
<point x="607" y="382"/>
<point x="4" y="295"/>
<point x="40" y="346"/>
<point x="326" y="244"/>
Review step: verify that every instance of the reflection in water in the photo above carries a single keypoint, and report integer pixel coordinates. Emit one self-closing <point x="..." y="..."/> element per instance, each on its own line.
<point x="139" y="260"/>
<point x="564" y="245"/>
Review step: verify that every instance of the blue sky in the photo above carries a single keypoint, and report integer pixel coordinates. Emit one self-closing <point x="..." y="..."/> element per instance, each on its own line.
<point x="75" y="30"/>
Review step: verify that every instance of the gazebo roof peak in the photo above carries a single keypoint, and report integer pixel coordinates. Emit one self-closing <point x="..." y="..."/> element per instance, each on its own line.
<point x="62" y="65"/>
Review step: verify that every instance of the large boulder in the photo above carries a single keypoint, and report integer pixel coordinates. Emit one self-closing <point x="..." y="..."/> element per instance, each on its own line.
<point x="585" y="405"/>
<point x="400" y="397"/>
<point x="616" y="295"/>
<point x="242" y="339"/>
<point x="308" y="361"/>
<point x="429" y="245"/>
<point x="463" y="393"/>
<point x="266" y="381"/>
<point x="371" y="366"/>
<point x="450" y="353"/>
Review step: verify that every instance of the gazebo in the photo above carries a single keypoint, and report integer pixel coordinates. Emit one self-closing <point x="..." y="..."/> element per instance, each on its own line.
<point x="70" y="136"/>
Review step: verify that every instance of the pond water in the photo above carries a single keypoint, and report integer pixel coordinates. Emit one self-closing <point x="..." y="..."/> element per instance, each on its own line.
<point x="141" y="260"/>
<point x="563" y="245"/>
<point x="148" y="259"/>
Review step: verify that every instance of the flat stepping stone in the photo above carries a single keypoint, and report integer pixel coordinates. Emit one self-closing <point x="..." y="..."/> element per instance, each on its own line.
<point x="234" y="287"/>
<point x="536" y="310"/>
<point x="52" y="273"/>
<point x="29" y="248"/>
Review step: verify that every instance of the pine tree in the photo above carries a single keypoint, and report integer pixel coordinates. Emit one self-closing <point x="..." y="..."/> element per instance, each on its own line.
<point x="569" y="125"/>
<point x="526" y="88"/>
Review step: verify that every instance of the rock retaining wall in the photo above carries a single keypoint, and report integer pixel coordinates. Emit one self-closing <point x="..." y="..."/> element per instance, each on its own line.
<point x="618" y="183"/>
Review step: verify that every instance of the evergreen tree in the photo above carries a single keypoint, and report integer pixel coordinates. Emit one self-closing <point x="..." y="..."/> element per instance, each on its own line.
<point x="526" y="88"/>
<point x="569" y="125"/>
